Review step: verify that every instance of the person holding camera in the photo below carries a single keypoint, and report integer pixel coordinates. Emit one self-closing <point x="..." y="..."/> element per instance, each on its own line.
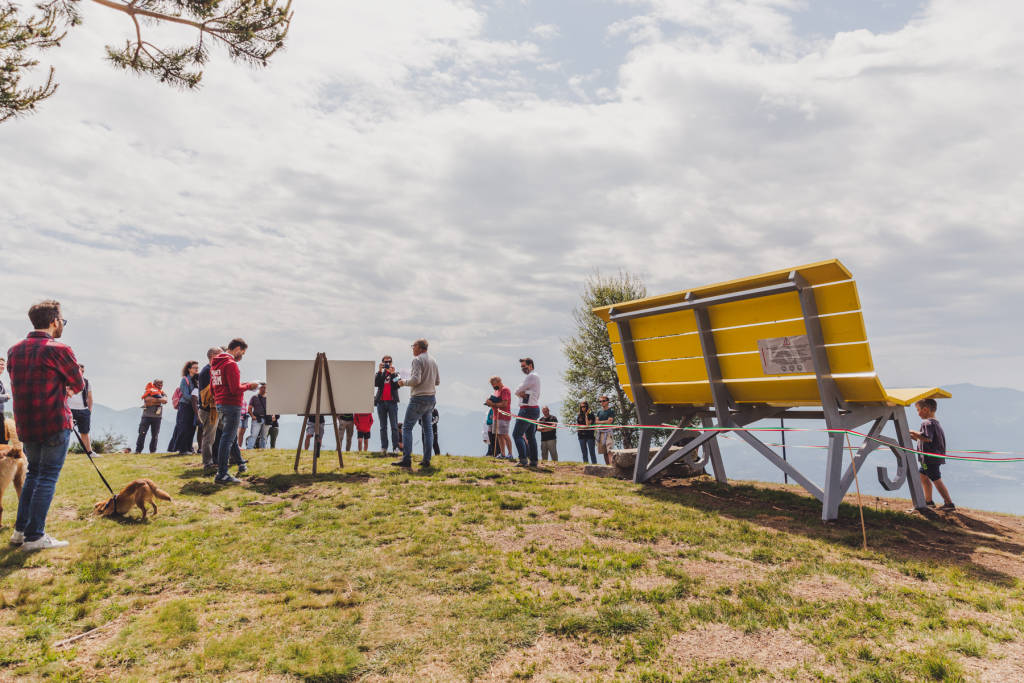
<point x="386" y="399"/>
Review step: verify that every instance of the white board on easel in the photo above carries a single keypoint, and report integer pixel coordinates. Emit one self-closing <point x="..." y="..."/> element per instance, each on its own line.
<point x="288" y="383"/>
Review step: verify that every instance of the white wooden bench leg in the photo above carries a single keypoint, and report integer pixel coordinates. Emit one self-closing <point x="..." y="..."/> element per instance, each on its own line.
<point x="833" y="478"/>
<point x="910" y="460"/>
<point x="643" y="457"/>
<point x="715" y="454"/>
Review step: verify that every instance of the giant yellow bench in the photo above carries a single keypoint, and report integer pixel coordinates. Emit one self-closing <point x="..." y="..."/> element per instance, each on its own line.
<point x="790" y="344"/>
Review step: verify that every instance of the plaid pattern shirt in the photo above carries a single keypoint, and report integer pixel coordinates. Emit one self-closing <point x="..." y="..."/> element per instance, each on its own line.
<point x="42" y="370"/>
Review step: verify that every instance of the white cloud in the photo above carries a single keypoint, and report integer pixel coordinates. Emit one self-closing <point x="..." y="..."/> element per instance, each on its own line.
<point x="396" y="173"/>
<point x="545" y="31"/>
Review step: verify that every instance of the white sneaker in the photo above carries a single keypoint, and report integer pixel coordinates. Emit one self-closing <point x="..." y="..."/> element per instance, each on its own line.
<point x="45" y="542"/>
<point x="17" y="538"/>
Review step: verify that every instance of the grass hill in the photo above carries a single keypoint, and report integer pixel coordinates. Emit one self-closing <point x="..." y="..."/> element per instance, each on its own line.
<point x="477" y="570"/>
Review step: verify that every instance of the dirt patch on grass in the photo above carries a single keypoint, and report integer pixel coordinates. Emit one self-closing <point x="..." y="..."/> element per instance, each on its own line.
<point x="770" y="649"/>
<point x="647" y="582"/>
<point x="823" y="588"/>
<point x="725" y="571"/>
<point x="554" y="659"/>
<point x="544" y="535"/>
<point x="551" y="535"/>
<point x="585" y="512"/>
<point x="1004" y="662"/>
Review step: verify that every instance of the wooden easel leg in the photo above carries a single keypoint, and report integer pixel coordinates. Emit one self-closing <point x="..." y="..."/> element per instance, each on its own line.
<point x="309" y="404"/>
<point x="318" y="438"/>
<point x="334" y="412"/>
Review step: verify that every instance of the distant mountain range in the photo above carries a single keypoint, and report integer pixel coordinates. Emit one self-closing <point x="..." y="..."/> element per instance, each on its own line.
<point x="975" y="418"/>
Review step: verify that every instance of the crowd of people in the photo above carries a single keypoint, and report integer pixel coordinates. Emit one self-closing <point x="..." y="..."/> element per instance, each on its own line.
<point x="51" y="394"/>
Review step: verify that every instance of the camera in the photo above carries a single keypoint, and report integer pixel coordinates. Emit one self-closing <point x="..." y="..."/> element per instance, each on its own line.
<point x="386" y="364"/>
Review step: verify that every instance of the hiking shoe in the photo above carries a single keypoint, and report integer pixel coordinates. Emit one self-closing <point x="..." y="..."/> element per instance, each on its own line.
<point x="948" y="507"/>
<point x="226" y="479"/>
<point x="402" y="463"/>
<point x="44" y="542"/>
<point x="424" y="463"/>
<point x="17" y="538"/>
<point x="930" y="503"/>
<point x="242" y="469"/>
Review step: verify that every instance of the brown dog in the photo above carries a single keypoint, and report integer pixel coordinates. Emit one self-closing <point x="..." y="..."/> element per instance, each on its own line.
<point x="13" y="465"/>
<point x="139" y="492"/>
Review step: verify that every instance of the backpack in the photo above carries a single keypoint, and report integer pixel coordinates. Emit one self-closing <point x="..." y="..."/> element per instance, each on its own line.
<point x="206" y="397"/>
<point x="176" y="398"/>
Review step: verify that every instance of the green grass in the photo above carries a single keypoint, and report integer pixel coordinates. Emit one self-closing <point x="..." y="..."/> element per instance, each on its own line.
<point x="476" y="568"/>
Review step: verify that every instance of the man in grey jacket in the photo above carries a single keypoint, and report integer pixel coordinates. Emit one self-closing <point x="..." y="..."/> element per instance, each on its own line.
<point x="423" y="381"/>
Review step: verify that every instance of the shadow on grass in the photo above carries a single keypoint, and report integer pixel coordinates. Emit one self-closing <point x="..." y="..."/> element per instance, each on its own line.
<point x="277" y="483"/>
<point x="952" y="539"/>
<point x="199" y="488"/>
<point x="11" y="559"/>
<point x="126" y="520"/>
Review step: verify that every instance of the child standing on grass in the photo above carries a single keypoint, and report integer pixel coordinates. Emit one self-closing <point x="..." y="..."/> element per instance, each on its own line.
<point x="931" y="439"/>
<point x="364" y="423"/>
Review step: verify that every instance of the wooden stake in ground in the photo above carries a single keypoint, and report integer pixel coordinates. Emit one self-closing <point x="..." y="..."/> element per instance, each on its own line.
<point x="853" y="463"/>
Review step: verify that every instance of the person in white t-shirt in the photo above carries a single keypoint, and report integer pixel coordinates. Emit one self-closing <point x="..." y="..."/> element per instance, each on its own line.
<point x="81" y="410"/>
<point x="525" y="433"/>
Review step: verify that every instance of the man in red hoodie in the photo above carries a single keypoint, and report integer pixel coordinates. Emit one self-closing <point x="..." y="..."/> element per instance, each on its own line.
<point x="229" y="395"/>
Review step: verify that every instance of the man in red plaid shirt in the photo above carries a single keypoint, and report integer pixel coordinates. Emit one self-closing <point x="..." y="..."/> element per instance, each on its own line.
<point x="43" y="373"/>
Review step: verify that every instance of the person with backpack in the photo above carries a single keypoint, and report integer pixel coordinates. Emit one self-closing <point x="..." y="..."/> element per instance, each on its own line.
<point x="208" y="413"/>
<point x="81" y="411"/>
<point x="187" y="406"/>
<point x="229" y="396"/>
<point x="153" y="401"/>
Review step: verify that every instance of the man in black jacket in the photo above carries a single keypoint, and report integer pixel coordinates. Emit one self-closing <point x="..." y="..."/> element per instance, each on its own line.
<point x="386" y="400"/>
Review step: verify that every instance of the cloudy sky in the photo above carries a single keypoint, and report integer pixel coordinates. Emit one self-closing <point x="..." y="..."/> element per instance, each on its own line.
<point x="454" y="170"/>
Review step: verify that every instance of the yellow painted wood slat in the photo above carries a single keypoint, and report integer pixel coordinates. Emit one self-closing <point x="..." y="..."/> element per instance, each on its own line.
<point x="822" y="272"/>
<point x="838" y="298"/>
<point x="845" y="359"/>
<point x="782" y="391"/>
<point x="838" y="329"/>
<point x="830" y="299"/>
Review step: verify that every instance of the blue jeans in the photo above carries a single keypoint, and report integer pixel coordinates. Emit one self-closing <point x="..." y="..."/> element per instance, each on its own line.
<point x="45" y="460"/>
<point x="418" y="407"/>
<point x="388" y="410"/>
<point x="229" y="419"/>
<point x="525" y="435"/>
<point x="588" y="445"/>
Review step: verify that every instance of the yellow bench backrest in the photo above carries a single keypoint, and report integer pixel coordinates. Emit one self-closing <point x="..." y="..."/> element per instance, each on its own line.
<point x="671" y="361"/>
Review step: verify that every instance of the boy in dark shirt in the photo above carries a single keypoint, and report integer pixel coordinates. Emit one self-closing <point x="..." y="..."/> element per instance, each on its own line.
<point x="931" y="439"/>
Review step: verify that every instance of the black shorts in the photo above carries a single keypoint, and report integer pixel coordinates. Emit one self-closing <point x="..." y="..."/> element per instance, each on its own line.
<point x="930" y="467"/>
<point x="83" y="420"/>
<point x="363" y="435"/>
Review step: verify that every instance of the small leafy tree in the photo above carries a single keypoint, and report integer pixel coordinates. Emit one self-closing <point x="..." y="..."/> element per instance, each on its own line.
<point x="250" y="30"/>
<point x="591" y="366"/>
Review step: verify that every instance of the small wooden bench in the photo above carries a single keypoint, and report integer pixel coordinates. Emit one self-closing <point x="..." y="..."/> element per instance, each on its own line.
<point x="789" y="344"/>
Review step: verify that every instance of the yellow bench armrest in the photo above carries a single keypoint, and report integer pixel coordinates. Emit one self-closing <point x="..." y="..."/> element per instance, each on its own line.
<point x="910" y="396"/>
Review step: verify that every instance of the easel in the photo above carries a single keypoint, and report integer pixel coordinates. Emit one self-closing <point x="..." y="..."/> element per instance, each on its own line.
<point x="321" y="373"/>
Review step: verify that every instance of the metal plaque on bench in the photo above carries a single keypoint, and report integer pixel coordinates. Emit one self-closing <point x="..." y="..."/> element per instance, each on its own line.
<point x="786" y="355"/>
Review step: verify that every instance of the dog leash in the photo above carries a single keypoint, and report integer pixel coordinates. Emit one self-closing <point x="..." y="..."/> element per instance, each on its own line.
<point x="88" y="454"/>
